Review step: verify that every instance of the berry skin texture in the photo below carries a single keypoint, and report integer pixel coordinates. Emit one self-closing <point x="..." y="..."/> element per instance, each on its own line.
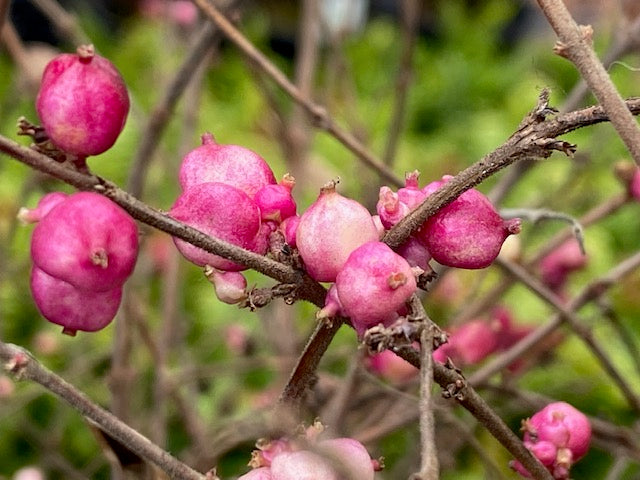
<point x="374" y="271"/>
<point x="558" y="435"/>
<point x="331" y="228"/>
<point x="230" y="164"/>
<point x="467" y="233"/>
<point x="83" y="102"/>
<point x="302" y="465"/>
<point x="223" y="212"/>
<point x="557" y="265"/>
<point x="74" y="309"/>
<point x="87" y="241"/>
<point x="46" y="203"/>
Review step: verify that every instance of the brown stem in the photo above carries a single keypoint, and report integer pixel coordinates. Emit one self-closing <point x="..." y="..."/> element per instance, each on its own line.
<point x="318" y="113"/>
<point x="23" y="365"/>
<point x="575" y="44"/>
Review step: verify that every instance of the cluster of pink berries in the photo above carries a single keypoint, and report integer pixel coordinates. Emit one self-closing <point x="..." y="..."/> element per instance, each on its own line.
<point x="83" y="249"/>
<point x="559" y="436"/>
<point x="309" y="458"/>
<point x="84" y="246"/>
<point x="230" y="193"/>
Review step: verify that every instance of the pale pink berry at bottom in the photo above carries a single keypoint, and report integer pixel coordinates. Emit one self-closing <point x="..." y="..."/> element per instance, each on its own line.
<point x="46" y="203"/>
<point x="374" y="283"/>
<point x="262" y="473"/>
<point x="87" y="241"/>
<point x="331" y="228"/>
<point x="232" y="165"/>
<point x="230" y="287"/>
<point x="558" y="435"/>
<point x="73" y="309"/>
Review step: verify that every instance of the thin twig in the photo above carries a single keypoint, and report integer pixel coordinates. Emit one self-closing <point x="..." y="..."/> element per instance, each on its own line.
<point x="161" y="114"/>
<point x="64" y="22"/>
<point x="318" y="114"/>
<point x="410" y="14"/>
<point x="429" y="466"/>
<point x="595" y="289"/>
<point x="575" y="44"/>
<point x="23" y="365"/>
<point x="584" y="333"/>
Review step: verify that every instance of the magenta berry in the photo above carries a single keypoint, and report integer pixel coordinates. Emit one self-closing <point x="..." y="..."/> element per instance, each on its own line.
<point x="414" y="252"/>
<point x="223" y="212"/>
<point x="230" y="164"/>
<point x="373" y="285"/>
<point x="330" y="230"/>
<point x="74" y="309"/>
<point x="332" y="305"/>
<point x="83" y="102"/>
<point x="275" y="201"/>
<point x="557" y="265"/>
<point x="558" y="435"/>
<point x="87" y="241"/>
<point x="262" y="473"/>
<point x="467" y="233"/>
<point x="46" y="203"/>
<point x="469" y="343"/>
<point x="230" y="287"/>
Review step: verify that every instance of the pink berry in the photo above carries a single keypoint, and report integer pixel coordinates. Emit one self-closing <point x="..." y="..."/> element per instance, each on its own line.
<point x="230" y="287"/>
<point x="467" y="233"/>
<point x="557" y="265"/>
<point x="46" y="203"/>
<point x="223" y="212"/>
<point x="83" y="102"/>
<point x="414" y="252"/>
<point x="275" y="201"/>
<point x="230" y="164"/>
<point x="332" y="228"/>
<point x="332" y="305"/>
<point x="74" y="309"/>
<point x="374" y="283"/>
<point x="87" y="241"/>
<point x="391" y="367"/>
<point x="469" y="343"/>
<point x="634" y="185"/>
<point x="558" y="435"/>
